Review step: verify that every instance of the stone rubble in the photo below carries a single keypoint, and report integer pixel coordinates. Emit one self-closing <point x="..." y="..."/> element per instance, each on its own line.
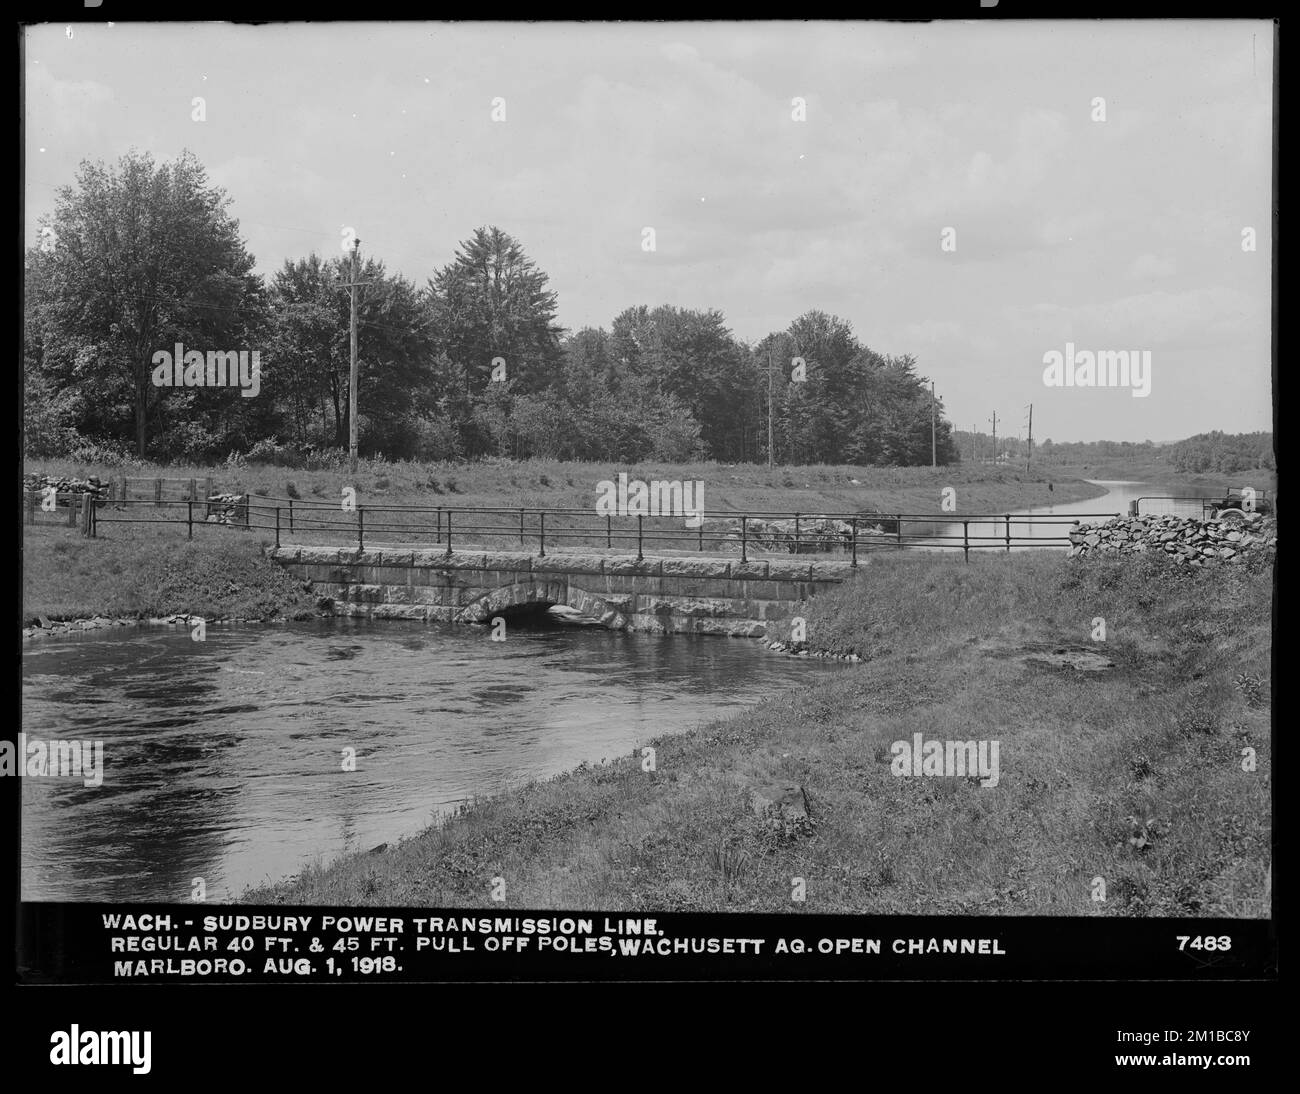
<point x="814" y="533"/>
<point x="93" y="486"/>
<point x="226" y="508"/>
<point x="1226" y="538"/>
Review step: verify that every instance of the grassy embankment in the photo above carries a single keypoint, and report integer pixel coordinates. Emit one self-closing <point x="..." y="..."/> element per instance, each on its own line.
<point x="1132" y="775"/>
<point x="1161" y="473"/>
<point x="141" y="571"/>
<point x="144" y="572"/>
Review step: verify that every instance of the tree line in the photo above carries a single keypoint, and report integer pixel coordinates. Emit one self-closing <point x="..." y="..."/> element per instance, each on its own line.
<point x="140" y="256"/>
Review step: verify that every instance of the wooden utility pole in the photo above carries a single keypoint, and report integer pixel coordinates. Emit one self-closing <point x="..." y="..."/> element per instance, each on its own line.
<point x="934" y="459"/>
<point x="353" y="284"/>
<point x="995" y="438"/>
<point x="352" y="376"/>
<point x="1029" y="452"/>
<point x="769" y="405"/>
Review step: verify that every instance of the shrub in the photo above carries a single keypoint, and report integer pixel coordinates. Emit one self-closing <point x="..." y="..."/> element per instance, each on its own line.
<point x="268" y="450"/>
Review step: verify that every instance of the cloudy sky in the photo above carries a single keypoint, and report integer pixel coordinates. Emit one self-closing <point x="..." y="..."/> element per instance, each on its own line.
<point x="1117" y="234"/>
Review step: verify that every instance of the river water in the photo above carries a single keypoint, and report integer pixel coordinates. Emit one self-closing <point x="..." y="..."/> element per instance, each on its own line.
<point x="223" y="759"/>
<point x="991" y="533"/>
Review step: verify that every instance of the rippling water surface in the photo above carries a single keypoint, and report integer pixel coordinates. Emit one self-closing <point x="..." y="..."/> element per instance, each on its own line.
<point x="223" y="759"/>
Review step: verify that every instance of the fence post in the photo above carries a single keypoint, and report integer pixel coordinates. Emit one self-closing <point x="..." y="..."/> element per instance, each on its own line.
<point x="438" y="533"/>
<point x="125" y="488"/>
<point x="290" y="516"/>
<point x="609" y="530"/>
<point x="965" y="539"/>
<point x="449" y="531"/>
<point x="521" y="528"/>
<point x="1008" y="531"/>
<point x="194" y="488"/>
<point x="898" y="534"/>
<point x="855" y="541"/>
<point x="277" y="527"/>
<point x="701" y="545"/>
<point x="796" y="533"/>
<point x="157" y="491"/>
<point x="73" y="515"/>
<point x="189" y="522"/>
<point x="361" y="527"/>
<point x="640" y="520"/>
<point x="743" y="542"/>
<point x="207" y="493"/>
<point x="541" y="513"/>
<point x="112" y="489"/>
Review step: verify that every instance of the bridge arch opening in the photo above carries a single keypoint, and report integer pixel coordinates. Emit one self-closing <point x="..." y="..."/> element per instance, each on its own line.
<point x="533" y="598"/>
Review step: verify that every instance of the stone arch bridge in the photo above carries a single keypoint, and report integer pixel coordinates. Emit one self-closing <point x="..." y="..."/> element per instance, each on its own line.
<point x="661" y="595"/>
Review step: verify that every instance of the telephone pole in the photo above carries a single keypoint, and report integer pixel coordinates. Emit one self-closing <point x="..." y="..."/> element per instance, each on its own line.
<point x="352" y="375"/>
<point x="995" y="438"/>
<point x="769" y="406"/>
<point x="352" y="285"/>
<point x="1029" y="452"/>
<point x="934" y="460"/>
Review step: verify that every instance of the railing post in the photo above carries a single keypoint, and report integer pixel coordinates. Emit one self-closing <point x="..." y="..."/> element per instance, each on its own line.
<point x="744" y="557"/>
<point x="449" y="531"/>
<point x="965" y="539"/>
<point x="796" y="533"/>
<point x="361" y="527"/>
<point x="855" y="541"/>
<point x="609" y="530"/>
<point x="189" y="522"/>
<point x="898" y="533"/>
<point x="541" y="514"/>
<point x="438" y="535"/>
<point x="277" y="526"/>
<point x="290" y="515"/>
<point x="1008" y="531"/>
<point x="639" y="521"/>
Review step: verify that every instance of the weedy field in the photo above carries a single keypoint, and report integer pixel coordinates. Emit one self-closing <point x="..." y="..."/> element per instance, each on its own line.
<point x="1135" y="771"/>
<point x="146" y="571"/>
<point x="537" y="483"/>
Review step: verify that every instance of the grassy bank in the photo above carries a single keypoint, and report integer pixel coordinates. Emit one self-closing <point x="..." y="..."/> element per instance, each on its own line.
<point x="1132" y="774"/>
<point x="146" y="571"/>
<point x="1159" y="473"/>
<point x="538" y="483"/>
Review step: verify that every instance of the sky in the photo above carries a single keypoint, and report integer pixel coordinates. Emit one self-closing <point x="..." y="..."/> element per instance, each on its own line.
<point x="954" y="190"/>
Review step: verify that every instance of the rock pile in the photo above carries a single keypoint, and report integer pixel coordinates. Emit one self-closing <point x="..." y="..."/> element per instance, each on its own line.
<point x="813" y="533"/>
<point x="227" y="509"/>
<point x="1226" y="538"/>
<point x="93" y="486"/>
